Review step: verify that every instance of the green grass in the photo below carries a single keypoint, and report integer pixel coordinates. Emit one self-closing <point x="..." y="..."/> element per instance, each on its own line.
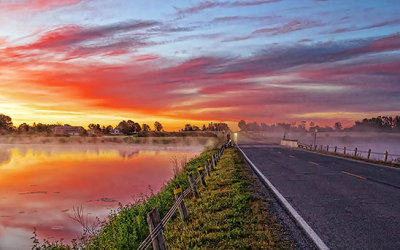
<point x="227" y="215"/>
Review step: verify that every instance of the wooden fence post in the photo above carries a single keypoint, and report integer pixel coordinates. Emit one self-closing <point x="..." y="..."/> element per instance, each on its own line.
<point x="212" y="163"/>
<point x="193" y="186"/>
<point x="202" y="176"/>
<point x="327" y="148"/>
<point x="320" y="148"/>
<point x="315" y="148"/>
<point x="355" y="152"/>
<point x="386" y="156"/>
<point x="207" y="168"/>
<point x="153" y="220"/>
<point x="335" y="149"/>
<point x="369" y="153"/>
<point x="344" y="150"/>
<point x="182" y="207"/>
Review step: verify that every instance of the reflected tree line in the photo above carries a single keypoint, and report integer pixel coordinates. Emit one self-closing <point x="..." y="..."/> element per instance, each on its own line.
<point x="375" y="124"/>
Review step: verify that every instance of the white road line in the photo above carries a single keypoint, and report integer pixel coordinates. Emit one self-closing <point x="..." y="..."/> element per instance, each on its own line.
<point x="310" y="232"/>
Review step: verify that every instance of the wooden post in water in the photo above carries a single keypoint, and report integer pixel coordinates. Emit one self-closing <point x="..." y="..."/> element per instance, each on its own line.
<point x="207" y="168"/>
<point x="386" y="156"/>
<point x="335" y="149"/>
<point x="193" y="186"/>
<point x="344" y="150"/>
<point x="369" y="153"/>
<point x="355" y="152"/>
<point x="202" y="176"/>
<point x="153" y="220"/>
<point x="182" y="207"/>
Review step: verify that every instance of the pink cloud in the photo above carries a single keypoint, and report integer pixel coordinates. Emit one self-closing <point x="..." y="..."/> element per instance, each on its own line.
<point x="37" y="4"/>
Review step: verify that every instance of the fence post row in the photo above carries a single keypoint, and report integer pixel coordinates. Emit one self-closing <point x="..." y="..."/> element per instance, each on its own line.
<point x="182" y="207"/>
<point x="202" y="176"/>
<point x="153" y="217"/>
<point x="153" y="220"/>
<point x="212" y="165"/>
<point x="207" y="168"/>
<point x="193" y="186"/>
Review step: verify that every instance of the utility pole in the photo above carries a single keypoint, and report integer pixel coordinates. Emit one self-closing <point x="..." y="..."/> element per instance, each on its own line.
<point x="315" y="137"/>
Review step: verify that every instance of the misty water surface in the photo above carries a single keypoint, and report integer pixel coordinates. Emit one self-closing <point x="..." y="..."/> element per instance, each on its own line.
<point x="40" y="184"/>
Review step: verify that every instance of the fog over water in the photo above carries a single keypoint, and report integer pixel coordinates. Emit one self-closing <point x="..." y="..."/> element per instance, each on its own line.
<point x="40" y="184"/>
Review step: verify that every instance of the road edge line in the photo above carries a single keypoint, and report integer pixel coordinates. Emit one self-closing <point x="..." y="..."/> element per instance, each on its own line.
<point x="303" y="224"/>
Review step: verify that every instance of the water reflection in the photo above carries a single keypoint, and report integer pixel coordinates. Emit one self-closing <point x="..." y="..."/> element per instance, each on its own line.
<point x="39" y="185"/>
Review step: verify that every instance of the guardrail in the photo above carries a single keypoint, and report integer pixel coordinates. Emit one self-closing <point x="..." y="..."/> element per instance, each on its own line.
<point x="156" y="225"/>
<point x="369" y="155"/>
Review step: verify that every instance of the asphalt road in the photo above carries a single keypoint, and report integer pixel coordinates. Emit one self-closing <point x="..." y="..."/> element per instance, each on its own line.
<point x="350" y="205"/>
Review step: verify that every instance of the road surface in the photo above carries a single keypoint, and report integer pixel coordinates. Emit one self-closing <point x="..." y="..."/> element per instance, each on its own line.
<point x="349" y="205"/>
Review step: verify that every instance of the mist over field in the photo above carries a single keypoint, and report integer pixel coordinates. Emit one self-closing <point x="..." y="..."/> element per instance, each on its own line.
<point x="378" y="142"/>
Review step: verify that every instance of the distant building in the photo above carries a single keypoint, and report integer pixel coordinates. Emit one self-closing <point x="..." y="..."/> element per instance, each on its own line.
<point x="68" y="130"/>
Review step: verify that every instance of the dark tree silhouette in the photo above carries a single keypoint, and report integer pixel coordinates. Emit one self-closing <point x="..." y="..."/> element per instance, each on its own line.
<point x="158" y="127"/>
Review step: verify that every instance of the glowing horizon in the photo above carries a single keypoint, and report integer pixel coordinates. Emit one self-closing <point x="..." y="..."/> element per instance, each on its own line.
<point x="83" y="61"/>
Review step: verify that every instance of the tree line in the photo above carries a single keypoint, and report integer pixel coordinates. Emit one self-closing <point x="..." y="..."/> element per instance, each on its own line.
<point x="378" y="124"/>
<point x="221" y="126"/>
<point x="125" y="127"/>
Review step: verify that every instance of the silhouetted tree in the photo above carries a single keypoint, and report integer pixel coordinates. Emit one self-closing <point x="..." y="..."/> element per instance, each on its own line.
<point x="338" y="126"/>
<point x="242" y="125"/>
<point x="158" y="127"/>
<point x="145" y="128"/>
<point x="6" y="123"/>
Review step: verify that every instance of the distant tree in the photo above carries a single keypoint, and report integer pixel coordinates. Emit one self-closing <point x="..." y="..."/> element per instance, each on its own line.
<point x="396" y="123"/>
<point x="145" y="128"/>
<point x="23" y="128"/>
<point x="158" y="127"/>
<point x="242" y="125"/>
<point x="203" y="128"/>
<point x="107" y="130"/>
<point x="188" y="127"/>
<point x="263" y="126"/>
<point x="195" y="128"/>
<point x="94" y="126"/>
<point x="338" y="126"/>
<point x="6" y="123"/>
<point x="253" y="126"/>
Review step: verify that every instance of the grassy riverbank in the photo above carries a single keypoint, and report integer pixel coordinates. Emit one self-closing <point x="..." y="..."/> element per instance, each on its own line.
<point x="227" y="214"/>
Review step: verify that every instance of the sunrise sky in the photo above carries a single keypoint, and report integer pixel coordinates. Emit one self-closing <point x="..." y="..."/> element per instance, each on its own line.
<point x="83" y="61"/>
